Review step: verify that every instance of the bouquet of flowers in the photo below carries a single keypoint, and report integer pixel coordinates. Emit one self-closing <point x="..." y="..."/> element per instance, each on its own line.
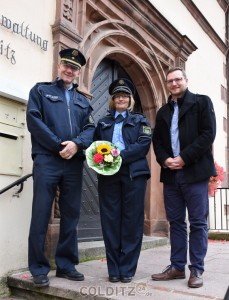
<point x="103" y="157"/>
<point x="215" y="181"/>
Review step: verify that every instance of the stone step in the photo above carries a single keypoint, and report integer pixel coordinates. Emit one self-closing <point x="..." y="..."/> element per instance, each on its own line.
<point x="96" y="249"/>
<point x="21" y="284"/>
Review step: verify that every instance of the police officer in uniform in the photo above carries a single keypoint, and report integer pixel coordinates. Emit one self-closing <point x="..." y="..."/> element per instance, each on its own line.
<point x="59" y="120"/>
<point x="122" y="195"/>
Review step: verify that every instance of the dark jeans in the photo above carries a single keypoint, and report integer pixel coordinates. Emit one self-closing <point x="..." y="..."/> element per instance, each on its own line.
<point x="194" y="197"/>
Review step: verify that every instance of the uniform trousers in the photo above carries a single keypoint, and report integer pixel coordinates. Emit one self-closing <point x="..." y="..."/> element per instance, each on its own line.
<point x="48" y="173"/>
<point x="122" y="220"/>
<point x="192" y="197"/>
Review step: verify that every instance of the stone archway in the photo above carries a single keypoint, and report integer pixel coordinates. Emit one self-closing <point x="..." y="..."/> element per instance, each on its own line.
<point x="137" y="36"/>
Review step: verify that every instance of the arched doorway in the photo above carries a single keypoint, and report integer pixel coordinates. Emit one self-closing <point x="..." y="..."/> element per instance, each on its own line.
<point x="145" y="44"/>
<point x="89" y="227"/>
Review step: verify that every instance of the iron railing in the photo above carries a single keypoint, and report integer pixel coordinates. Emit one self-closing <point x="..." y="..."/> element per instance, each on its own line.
<point x="219" y="210"/>
<point x="218" y="205"/>
<point x="20" y="182"/>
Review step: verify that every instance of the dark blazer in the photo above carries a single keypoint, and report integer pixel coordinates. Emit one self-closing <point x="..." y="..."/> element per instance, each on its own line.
<point x="197" y="130"/>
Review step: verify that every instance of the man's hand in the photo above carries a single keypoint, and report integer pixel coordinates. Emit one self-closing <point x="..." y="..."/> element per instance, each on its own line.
<point x="175" y="163"/>
<point x="70" y="149"/>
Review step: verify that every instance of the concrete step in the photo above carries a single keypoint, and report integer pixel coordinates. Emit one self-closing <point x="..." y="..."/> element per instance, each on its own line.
<point x="96" y="249"/>
<point x="21" y="284"/>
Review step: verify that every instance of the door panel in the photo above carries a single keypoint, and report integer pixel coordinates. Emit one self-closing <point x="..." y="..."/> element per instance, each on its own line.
<point x="89" y="227"/>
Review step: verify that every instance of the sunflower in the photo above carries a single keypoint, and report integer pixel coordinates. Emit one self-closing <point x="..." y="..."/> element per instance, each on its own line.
<point x="103" y="149"/>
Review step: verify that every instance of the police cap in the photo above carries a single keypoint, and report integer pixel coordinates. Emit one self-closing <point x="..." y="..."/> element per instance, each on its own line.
<point x="121" y="85"/>
<point x="72" y="57"/>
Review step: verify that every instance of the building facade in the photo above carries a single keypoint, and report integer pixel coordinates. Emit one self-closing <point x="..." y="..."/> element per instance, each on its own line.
<point x="140" y="40"/>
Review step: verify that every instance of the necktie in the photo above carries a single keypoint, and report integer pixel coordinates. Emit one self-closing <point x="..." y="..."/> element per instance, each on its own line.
<point x="119" y="119"/>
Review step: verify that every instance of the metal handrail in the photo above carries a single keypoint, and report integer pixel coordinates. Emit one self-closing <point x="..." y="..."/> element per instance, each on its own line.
<point x="17" y="182"/>
<point x="219" y="210"/>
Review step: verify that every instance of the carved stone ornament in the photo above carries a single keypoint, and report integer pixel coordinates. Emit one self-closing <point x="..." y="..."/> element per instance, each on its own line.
<point x="68" y="5"/>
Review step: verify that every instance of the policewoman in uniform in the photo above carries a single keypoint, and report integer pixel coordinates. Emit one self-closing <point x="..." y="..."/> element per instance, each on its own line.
<point x="122" y="195"/>
<point x="59" y="120"/>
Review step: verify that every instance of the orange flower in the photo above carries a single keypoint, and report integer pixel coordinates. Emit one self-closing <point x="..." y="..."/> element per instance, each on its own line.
<point x="216" y="181"/>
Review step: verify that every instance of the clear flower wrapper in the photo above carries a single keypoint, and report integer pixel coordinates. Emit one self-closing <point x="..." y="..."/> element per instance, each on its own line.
<point x="103" y="157"/>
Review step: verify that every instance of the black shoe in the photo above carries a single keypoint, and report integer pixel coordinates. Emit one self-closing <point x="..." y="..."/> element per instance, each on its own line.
<point x="72" y="275"/>
<point x="114" y="278"/>
<point x="40" y="280"/>
<point x="125" y="279"/>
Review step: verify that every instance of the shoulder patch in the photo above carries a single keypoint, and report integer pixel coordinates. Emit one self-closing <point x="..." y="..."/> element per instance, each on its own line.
<point x="147" y="130"/>
<point x="91" y="120"/>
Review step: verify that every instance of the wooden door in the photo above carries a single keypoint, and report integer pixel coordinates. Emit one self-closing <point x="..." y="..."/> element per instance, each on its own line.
<point x="89" y="227"/>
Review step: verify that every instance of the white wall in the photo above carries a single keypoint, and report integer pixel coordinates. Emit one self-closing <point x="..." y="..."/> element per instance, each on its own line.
<point x="32" y="63"/>
<point x="19" y="72"/>
<point x="214" y="15"/>
<point x="205" y="66"/>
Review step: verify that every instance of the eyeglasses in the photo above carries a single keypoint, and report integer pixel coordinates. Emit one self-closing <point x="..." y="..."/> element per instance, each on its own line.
<point x="123" y="96"/>
<point x="177" y="80"/>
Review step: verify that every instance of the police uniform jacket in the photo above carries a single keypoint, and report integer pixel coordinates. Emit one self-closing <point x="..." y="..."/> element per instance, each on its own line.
<point x="136" y="133"/>
<point x="51" y="121"/>
<point x="197" y="130"/>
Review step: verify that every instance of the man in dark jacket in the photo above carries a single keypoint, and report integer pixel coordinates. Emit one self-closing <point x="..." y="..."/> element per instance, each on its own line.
<point x="59" y="120"/>
<point x="184" y="132"/>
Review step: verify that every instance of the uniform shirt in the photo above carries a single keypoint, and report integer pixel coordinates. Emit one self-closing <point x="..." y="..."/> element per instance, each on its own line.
<point x="174" y="130"/>
<point x="117" y="138"/>
<point x="68" y="93"/>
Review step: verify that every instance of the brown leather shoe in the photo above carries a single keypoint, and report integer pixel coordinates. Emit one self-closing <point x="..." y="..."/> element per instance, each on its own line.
<point x="195" y="279"/>
<point x="168" y="274"/>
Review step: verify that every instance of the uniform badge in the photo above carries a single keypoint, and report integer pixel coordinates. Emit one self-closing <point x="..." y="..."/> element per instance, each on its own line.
<point x="51" y="97"/>
<point x="74" y="52"/>
<point x="146" y="130"/>
<point x="91" y="120"/>
<point x="121" y="82"/>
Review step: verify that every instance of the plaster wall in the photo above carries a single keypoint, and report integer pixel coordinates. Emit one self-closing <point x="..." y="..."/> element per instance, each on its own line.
<point x="22" y="66"/>
<point x="205" y="66"/>
<point x="214" y="14"/>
